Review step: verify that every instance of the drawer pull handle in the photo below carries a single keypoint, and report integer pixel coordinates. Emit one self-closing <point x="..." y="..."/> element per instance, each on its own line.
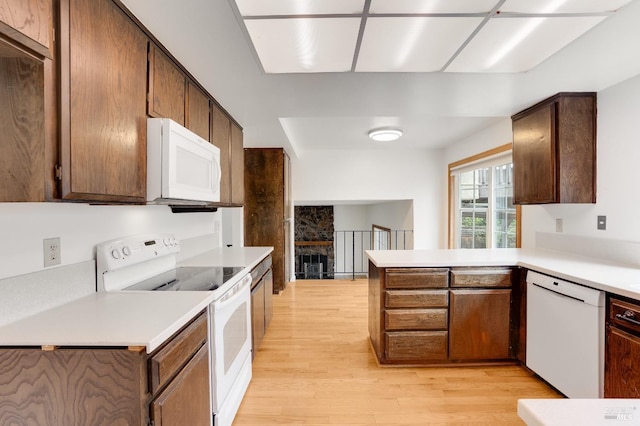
<point x="628" y="316"/>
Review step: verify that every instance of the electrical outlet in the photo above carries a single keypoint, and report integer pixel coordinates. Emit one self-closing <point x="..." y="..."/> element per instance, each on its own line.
<point x="558" y="225"/>
<point x="51" y="251"/>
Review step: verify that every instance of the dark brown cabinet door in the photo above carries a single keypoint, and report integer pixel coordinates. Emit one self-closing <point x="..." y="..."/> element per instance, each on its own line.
<point x="257" y="316"/>
<point x="186" y="399"/>
<point x="534" y="157"/>
<point x="103" y="98"/>
<point x="197" y="114"/>
<point x="622" y="375"/>
<point x="479" y="324"/>
<point x="554" y="150"/>
<point x="268" y="298"/>
<point x="265" y="215"/>
<point x="22" y="124"/>
<point x="166" y="87"/>
<point x="220" y="137"/>
<point x="237" y="165"/>
<point x="28" y="22"/>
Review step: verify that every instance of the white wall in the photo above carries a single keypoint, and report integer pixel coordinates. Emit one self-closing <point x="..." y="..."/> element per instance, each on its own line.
<point x="80" y="227"/>
<point x="618" y="154"/>
<point x="618" y="150"/>
<point x="330" y="176"/>
<point x="349" y="217"/>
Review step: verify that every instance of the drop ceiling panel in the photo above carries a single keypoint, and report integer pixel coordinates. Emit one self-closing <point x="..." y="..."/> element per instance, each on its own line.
<point x="432" y="6"/>
<point x="519" y="44"/>
<point x="304" y="45"/>
<point x="566" y="6"/>
<point x="298" y="7"/>
<point x="412" y="44"/>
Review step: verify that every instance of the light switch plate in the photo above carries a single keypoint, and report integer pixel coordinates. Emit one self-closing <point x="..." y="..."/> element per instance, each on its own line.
<point x="602" y="223"/>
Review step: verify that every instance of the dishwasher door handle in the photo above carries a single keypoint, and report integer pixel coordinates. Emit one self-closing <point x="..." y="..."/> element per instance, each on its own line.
<point x="629" y="317"/>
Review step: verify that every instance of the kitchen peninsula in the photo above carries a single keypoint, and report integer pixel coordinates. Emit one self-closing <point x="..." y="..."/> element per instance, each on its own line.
<point x="445" y="307"/>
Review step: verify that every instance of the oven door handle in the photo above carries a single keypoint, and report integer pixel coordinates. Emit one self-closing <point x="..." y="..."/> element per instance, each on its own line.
<point x="233" y="293"/>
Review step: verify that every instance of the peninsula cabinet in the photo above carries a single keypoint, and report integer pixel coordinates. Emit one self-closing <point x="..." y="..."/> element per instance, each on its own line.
<point x="554" y="150"/>
<point x="428" y="316"/>
<point x="267" y="207"/>
<point x="28" y="22"/>
<point x="109" y="386"/>
<point x="103" y="72"/>
<point x="480" y="310"/>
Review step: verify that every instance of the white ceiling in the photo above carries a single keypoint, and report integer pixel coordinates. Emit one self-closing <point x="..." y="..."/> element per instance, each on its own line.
<point x="291" y="36"/>
<point x="438" y="92"/>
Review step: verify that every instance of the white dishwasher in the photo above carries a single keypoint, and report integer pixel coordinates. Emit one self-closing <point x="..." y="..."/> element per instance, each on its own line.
<point x="565" y="335"/>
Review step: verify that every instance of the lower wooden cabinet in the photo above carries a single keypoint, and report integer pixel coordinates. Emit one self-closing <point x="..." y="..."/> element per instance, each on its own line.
<point x="109" y="386"/>
<point x="418" y="346"/>
<point x="480" y="324"/>
<point x="261" y="302"/>
<point x="441" y="315"/>
<point x="622" y="349"/>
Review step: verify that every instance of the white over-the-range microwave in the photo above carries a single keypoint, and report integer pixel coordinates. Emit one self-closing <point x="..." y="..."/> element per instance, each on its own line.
<point x="182" y="167"/>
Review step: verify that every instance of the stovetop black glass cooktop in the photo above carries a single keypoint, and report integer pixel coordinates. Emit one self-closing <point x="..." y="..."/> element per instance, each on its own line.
<point x="189" y="279"/>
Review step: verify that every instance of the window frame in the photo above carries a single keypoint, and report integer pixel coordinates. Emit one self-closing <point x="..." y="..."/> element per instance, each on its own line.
<point x="453" y="196"/>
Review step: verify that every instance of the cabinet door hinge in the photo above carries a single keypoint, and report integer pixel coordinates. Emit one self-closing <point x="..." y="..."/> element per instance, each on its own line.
<point x="58" y="171"/>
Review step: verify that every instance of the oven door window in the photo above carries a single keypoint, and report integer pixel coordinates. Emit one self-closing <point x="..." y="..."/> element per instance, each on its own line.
<point x="235" y="335"/>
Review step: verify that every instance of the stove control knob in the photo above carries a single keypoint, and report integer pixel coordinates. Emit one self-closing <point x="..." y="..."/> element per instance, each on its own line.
<point x="126" y="250"/>
<point x="166" y="242"/>
<point x="115" y="253"/>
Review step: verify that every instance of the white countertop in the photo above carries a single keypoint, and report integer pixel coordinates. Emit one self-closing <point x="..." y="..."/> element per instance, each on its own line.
<point x="126" y="318"/>
<point x="583" y="412"/>
<point x="600" y="274"/>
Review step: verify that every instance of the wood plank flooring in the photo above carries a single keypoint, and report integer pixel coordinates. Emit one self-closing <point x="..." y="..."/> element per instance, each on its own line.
<point x="315" y="367"/>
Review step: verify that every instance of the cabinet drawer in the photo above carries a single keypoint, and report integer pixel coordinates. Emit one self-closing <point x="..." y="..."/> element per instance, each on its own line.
<point x="417" y="345"/>
<point x="170" y="359"/>
<point x="416" y="299"/>
<point x="415" y="319"/>
<point x="481" y="277"/>
<point x="417" y="278"/>
<point x="624" y="314"/>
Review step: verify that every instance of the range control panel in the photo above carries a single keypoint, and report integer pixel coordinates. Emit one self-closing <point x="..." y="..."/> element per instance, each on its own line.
<point x="131" y="258"/>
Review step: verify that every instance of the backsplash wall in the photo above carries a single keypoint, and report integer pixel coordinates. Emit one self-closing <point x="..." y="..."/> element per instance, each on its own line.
<point x="80" y="227"/>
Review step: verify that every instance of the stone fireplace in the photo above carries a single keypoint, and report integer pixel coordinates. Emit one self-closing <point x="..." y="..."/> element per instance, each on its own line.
<point x="314" y="233"/>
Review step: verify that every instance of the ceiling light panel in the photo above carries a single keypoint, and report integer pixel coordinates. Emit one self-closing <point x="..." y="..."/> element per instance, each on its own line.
<point x="432" y="6"/>
<point x="304" y="45"/>
<point x="513" y="45"/>
<point x="412" y="44"/>
<point x="298" y="7"/>
<point x="562" y="6"/>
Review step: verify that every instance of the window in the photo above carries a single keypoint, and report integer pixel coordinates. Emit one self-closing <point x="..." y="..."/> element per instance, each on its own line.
<point x="482" y="213"/>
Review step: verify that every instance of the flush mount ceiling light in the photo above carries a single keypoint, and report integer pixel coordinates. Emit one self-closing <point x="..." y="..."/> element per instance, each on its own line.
<point x="385" y="134"/>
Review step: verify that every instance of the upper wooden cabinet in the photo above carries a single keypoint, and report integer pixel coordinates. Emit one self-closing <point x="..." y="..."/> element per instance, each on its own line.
<point x="237" y="165"/>
<point x="197" y="112"/>
<point x="29" y="23"/>
<point x="22" y="150"/>
<point x="166" y="87"/>
<point x="221" y="137"/>
<point x="227" y="135"/>
<point x="554" y="151"/>
<point x="103" y="69"/>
